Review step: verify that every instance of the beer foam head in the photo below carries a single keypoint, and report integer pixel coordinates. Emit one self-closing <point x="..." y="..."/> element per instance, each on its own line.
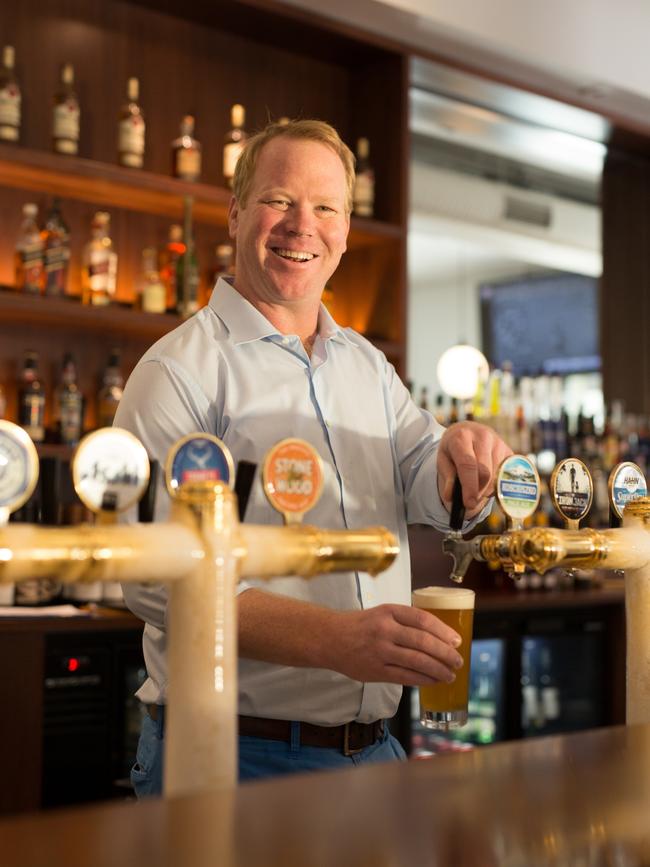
<point x="443" y="597"/>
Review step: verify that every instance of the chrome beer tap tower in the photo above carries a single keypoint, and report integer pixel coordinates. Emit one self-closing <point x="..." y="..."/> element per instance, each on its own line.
<point x="200" y="553"/>
<point x="620" y="548"/>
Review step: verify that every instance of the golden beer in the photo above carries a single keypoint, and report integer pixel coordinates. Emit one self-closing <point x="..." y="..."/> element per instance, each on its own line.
<point x="444" y="705"/>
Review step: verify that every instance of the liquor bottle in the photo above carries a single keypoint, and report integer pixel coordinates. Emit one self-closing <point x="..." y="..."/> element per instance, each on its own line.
<point x="69" y="404"/>
<point x="169" y="259"/>
<point x="223" y="254"/>
<point x="235" y="141"/>
<point x="29" y="253"/>
<point x="188" y="270"/>
<point x="99" y="272"/>
<point x="110" y="393"/>
<point x="363" y="197"/>
<point x="10" y="97"/>
<point x="31" y="398"/>
<point x="65" y="125"/>
<point x="3" y="402"/>
<point x="57" y="251"/>
<point x="186" y="152"/>
<point x="131" y="128"/>
<point x="424" y="398"/>
<point x="153" y="294"/>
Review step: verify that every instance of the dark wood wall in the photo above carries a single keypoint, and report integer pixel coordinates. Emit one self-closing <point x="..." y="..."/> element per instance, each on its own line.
<point x="625" y="283"/>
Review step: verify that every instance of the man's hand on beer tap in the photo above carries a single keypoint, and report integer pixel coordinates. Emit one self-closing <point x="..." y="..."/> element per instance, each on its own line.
<point x="473" y="452"/>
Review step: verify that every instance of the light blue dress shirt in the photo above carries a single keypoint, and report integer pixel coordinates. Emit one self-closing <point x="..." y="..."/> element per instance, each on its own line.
<point x="229" y="372"/>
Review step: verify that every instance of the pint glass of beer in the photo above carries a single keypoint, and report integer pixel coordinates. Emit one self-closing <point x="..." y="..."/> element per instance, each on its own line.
<point x="444" y="705"/>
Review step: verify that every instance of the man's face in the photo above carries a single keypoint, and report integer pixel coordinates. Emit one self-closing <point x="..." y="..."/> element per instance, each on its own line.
<point x="292" y="233"/>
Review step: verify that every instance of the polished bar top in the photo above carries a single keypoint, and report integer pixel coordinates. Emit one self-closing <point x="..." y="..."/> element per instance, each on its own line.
<point x="573" y="800"/>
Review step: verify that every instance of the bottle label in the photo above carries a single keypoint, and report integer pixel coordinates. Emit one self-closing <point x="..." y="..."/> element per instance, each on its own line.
<point x="32" y="408"/>
<point x="188" y="163"/>
<point x="130" y="141"/>
<point x="231" y="154"/>
<point x="71" y="415"/>
<point x="9" y="112"/>
<point x="31" y="260"/>
<point x="364" y="194"/>
<point x="66" y="126"/>
<point x="518" y="487"/>
<point x="154" y="298"/>
<point x="56" y="268"/>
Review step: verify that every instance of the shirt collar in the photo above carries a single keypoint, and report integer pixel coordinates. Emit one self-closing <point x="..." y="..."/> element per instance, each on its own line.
<point x="245" y="323"/>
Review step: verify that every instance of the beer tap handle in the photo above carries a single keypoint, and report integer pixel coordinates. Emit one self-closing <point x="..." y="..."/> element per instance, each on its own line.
<point x="147" y="504"/>
<point x="244" y="477"/>
<point x="457" y="516"/>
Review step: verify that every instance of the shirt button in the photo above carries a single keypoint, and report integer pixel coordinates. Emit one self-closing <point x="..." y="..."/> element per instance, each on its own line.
<point x="285" y="340"/>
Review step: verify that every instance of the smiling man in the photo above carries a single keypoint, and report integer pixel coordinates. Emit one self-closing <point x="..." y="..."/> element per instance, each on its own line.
<point x="321" y="661"/>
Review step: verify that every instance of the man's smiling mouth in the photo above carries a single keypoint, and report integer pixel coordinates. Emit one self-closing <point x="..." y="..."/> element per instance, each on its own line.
<point x="294" y="255"/>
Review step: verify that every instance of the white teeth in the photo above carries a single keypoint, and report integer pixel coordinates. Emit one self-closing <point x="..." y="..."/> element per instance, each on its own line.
<point x="298" y="255"/>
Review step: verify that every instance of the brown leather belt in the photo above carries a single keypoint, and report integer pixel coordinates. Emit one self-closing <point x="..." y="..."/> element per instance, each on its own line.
<point x="350" y="738"/>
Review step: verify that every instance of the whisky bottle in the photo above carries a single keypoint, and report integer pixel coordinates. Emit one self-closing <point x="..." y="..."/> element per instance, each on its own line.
<point x="99" y="271"/>
<point x="188" y="270"/>
<point x="235" y="141"/>
<point x="65" y="126"/>
<point x="110" y="393"/>
<point x="174" y="249"/>
<point x="186" y="152"/>
<point x="131" y="128"/>
<point x="153" y="294"/>
<point x="69" y="404"/>
<point x="57" y="251"/>
<point x="363" y="198"/>
<point x="223" y="255"/>
<point x="31" y="399"/>
<point x="10" y="97"/>
<point x="29" y="253"/>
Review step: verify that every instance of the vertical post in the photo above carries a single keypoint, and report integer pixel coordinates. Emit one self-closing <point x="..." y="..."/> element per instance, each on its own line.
<point x="637" y="617"/>
<point x="201" y="717"/>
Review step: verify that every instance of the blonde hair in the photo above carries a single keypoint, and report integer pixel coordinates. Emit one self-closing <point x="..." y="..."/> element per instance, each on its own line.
<point x="313" y="130"/>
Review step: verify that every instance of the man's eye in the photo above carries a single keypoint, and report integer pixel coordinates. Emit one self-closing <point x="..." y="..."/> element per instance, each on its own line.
<point x="278" y="204"/>
<point x="326" y="208"/>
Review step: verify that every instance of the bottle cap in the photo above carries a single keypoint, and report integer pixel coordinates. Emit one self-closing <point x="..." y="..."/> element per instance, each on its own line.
<point x="133" y="89"/>
<point x="293" y="478"/>
<point x="18" y="468"/>
<point x="626" y="483"/>
<point x="67" y="73"/>
<point x="572" y="490"/>
<point x="175" y="232"/>
<point x="110" y="470"/>
<point x="518" y="487"/>
<point x="8" y="56"/>
<point x="30" y="209"/>
<point x="237" y="115"/>
<point x="363" y="147"/>
<point x="187" y="125"/>
<point x="198" y="457"/>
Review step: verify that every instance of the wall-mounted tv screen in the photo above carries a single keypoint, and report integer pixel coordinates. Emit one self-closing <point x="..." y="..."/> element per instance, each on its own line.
<point x="542" y="323"/>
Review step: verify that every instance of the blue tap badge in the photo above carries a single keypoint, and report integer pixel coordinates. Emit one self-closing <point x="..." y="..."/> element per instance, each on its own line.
<point x="626" y="483"/>
<point x="518" y="487"/>
<point x="198" y="458"/>
<point x="18" y="467"/>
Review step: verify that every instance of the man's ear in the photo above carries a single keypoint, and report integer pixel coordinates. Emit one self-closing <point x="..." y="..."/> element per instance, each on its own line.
<point x="233" y="217"/>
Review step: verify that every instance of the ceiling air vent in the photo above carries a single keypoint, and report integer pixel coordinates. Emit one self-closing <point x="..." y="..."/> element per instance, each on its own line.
<point x="522" y="211"/>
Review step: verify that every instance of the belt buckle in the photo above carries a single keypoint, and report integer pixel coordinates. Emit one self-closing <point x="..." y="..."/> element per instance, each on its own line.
<point x="347" y="750"/>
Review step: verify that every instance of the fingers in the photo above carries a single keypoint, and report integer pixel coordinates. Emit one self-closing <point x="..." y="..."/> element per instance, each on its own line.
<point x="473" y="452"/>
<point x="419" y="620"/>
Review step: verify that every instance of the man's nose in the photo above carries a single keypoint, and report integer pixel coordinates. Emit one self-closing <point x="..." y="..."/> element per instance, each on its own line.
<point x="300" y="220"/>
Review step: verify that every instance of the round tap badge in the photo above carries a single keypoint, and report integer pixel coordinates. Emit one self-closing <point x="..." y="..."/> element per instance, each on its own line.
<point x="18" y="467"/>
<point x="198" y="457"/>
<point x="518" y="487"/>
<point x="572" y="489"/>
<point x="626" y="482"/>
<point x="293" y="478"/>
<point x="110" y="470"/>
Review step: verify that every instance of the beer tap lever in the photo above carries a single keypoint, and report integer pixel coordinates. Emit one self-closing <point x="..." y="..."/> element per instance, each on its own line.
<point x="453" y="544"/>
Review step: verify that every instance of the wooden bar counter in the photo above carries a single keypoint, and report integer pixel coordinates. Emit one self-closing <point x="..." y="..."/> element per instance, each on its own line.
<point x="572" y="800"/>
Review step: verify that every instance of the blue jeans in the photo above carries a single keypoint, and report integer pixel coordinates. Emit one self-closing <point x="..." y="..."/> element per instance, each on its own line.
<point x="259" y="758"/>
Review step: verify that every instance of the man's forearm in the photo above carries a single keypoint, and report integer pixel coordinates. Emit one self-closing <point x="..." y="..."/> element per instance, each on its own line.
<point x="285" y="631"/>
